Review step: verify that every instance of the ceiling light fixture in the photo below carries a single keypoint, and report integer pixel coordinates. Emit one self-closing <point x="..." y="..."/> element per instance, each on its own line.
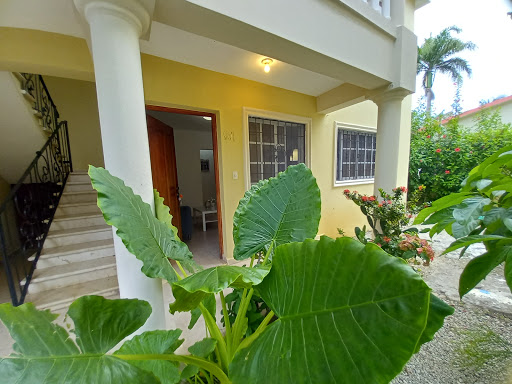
<point x="266" y="62"/>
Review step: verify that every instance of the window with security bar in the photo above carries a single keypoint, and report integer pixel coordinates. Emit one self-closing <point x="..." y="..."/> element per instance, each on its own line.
<point x="273" y="146"/>
<point x="355" y="155"/>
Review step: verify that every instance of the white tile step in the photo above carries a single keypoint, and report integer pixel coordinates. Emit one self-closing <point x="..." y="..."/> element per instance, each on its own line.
<point x="74" y="253"/>
<point x="58" y="299"/>
<point x="76" y="209"/>
<point x="78" y="235"/>
<point x="76" y="221"/>
<point x="77" y="186"/>
<point x="62" y="276"/>
<point x="89" y="196"/>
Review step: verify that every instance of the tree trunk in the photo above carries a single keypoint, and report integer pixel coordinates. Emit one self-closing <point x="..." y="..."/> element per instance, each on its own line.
<point x="428" y="94"/>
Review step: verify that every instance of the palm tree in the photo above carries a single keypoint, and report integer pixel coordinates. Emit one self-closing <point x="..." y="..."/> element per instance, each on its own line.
<point x="436" y="55"/>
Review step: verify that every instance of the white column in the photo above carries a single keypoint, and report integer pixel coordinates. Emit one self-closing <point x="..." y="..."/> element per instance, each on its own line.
<point x="115" y="28"/>
<point x="392" y="157"/>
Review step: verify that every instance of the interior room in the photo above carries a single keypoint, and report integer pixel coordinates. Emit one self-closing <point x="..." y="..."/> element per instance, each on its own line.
<point x="196" y="183"/>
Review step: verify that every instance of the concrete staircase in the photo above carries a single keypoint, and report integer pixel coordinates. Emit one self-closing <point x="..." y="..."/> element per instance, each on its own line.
<point x="78" y="255"/>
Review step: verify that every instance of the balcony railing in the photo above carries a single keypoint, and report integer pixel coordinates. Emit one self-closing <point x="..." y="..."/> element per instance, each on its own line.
<point x="383" y="7"/>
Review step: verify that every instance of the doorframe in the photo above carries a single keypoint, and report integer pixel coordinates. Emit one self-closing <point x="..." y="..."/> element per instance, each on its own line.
<point x="215" y="156"/>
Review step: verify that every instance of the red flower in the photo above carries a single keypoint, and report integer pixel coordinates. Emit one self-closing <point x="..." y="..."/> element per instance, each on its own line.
<point x="379" y="244"/>
<point x="346" y="191"/>
<point x="421" y="160"/>
<point x="428" y="136"/>
<point x="444" y="136"/>
<point x="371" y="198"/>
<point x="390" y="202"/>
<point x="386" y="239"/>
<point x="364" y="198"/>
<point x="421" y="188"/>
<point x="457" y="149"/>
<point x="438" y="150"/>
<point x="403" y="189"/>
<point x="380" y="205"/>
<point x="471" y="152"/>
<point x="447" y="172"/>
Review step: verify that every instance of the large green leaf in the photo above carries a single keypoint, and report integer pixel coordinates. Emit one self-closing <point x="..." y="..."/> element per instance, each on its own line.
<point x="283" y="210"/>
<point x="478" y="268"/>
<point x="348" y="313"/>
<point x="155" y="343"/>
<point x="467" y="216"/>
<point x="468" y="240"/>
<point x="45" y="353"/>
<point x="162" y="213"/>
<point x="191" y="291"/>
<point x="100" y="324"/>
<point x="149" y="239"/>
<point x="436" y="314"/>
<point x="508" y="271"/>
<point x="442" y="203"/>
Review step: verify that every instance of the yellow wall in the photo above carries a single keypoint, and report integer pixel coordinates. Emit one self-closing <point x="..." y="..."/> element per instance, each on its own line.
<point x="173" y="84"/>
<point x="76" y="102"/>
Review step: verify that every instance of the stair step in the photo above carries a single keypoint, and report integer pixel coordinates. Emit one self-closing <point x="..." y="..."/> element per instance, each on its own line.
<point x="57" y="299"/>
<point x="70" y="236"/>
<point x="75" y="253"/>
<point x="77" y="221"/>
<point x="79" y="197"/>
<point x="79" y="176"/>
<point x="78" y="186"/>
<point x="28" y="96"/>
<point x="70" y="274"/>
<point x="76" y="209"/>
<point x="37" y="113"/>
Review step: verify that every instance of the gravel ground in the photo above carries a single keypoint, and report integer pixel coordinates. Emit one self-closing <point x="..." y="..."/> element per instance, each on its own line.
<point x="475" y="344"/>
<point x="442" y="361"/>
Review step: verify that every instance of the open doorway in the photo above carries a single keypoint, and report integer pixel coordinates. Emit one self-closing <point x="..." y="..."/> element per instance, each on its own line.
<point x="184" y="163"/>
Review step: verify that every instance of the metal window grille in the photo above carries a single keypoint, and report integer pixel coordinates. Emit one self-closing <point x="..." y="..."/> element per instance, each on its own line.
<point x="273" y="146"/>
<point x="355" y="155"/>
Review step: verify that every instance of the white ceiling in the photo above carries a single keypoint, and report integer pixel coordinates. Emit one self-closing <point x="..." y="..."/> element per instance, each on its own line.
<point x="182" y="122"/>
<point x="59" y="16"/>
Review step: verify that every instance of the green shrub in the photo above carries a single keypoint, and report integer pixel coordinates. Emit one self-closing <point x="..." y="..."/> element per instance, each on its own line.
<point x="387" y="215"/>
<point x="442" y="156"/>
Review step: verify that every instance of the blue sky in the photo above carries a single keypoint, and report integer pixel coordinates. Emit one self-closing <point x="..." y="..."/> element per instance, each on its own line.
<point x="485" y="23"/>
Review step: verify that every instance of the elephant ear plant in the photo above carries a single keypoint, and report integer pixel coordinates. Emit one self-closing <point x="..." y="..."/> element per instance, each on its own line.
<point x="340" y="311"/>
<point x="480" y="213"/>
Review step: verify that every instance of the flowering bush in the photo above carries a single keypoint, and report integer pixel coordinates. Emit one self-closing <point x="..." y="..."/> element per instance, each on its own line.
<point x="387" y="216"/>
<point x="442" y="156"/>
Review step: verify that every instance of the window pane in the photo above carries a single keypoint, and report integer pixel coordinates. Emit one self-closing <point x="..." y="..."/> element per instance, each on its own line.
<point x="274" y="145"/>
<point x="355" y="155"/>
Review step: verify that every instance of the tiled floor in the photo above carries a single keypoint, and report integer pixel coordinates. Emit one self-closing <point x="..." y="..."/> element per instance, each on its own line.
<point x="205" y="245"/>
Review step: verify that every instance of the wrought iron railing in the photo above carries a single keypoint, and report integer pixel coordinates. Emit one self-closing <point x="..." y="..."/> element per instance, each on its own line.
<point x="26" y="214"/>
<point x="44" y="107"/>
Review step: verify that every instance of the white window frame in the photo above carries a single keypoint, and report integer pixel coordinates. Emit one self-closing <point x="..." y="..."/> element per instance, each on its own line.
<point x="308" y="122"/>
<point x="349" y="127"/>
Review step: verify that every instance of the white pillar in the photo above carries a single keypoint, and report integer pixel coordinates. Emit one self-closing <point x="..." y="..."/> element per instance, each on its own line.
<point x="116" y="27"/>
<point x="392" y="157"/>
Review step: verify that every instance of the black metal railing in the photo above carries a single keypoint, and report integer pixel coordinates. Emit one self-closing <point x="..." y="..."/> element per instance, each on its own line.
<point x="27" y="213"/>
<point x="44" y="107"/>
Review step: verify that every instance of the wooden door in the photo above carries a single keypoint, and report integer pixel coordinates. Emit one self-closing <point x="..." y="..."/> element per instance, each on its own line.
<point x="163" y="166"/>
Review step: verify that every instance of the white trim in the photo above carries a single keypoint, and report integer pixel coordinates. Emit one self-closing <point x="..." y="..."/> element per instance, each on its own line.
<point x="348" y="127"/>
<point x="307" y="121"/>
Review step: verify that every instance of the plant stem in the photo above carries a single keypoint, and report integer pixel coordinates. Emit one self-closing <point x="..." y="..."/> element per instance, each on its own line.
<point x="227" y="323"/>
<point x="181" y="269"/>
<point x="242" y="311"/>
<point x="248" y="341"/>
<point x="222" y="354"/>
<point x="191" y="360"/>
